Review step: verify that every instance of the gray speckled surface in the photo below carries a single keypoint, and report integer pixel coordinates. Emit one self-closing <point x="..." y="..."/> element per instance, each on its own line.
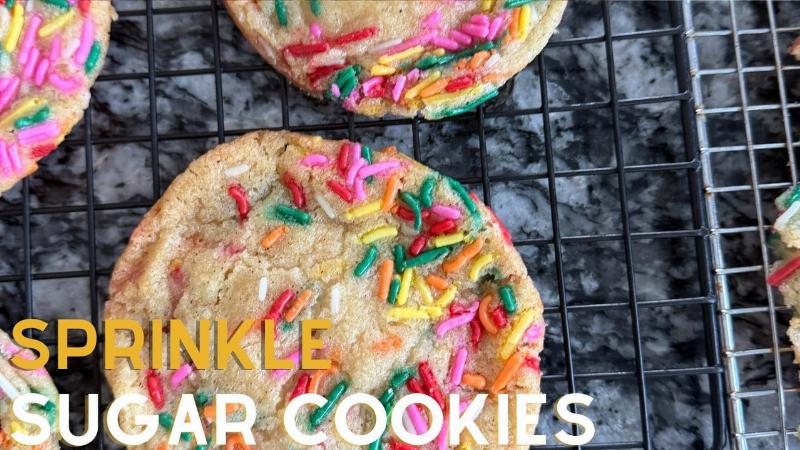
<point x="588" y="203"/>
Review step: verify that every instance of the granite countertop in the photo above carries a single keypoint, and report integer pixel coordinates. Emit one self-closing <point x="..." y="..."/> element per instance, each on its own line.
<point x="126" y="179"/>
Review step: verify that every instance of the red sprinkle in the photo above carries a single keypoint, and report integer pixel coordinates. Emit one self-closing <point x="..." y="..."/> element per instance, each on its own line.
<point x="443" y="227"/>
<point x="276" y="310"/>
<point x="301" y="387"/>
<point x="343" y="160"/>
<point x="323" y="71"/>
<point x="413" y="386"/>
<point x="456" y="84"/>
<point x="533" y="363"/>
<point x="83" y="6"/>
<point x="784" y="272"/>
<point x="340" y="190"/>
<point x="456" y="309"/>
<point x="354" y="36"/>
<point x="43" y="150"/>
<point x="236" y="191"/>
<point x="417" y="245"/>
<point x="298" y="195"/>
<point x="431" y="384"/>
<point x="394" y="444"/>
<point x="475" y="332"/>
<point x="307" y="49"/>
<point x="405" y="213"/>
<point x="499" y="317"/>
<point x="155" y="389"/>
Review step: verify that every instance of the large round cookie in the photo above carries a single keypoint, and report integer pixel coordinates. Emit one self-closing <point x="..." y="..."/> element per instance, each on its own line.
<point x="333" y="224"/>
<point x="15" y="382"/>
<point x="52" y="51"/>
<point x="399" y="57"/>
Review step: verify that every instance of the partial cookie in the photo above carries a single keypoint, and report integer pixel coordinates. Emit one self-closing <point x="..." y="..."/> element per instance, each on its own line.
<point x="786" y="243"/>
<point x="52" y="51"/>
<point x="418" y="277"/>
<point x="399" y="57"/>
<point x="15" y="382"/>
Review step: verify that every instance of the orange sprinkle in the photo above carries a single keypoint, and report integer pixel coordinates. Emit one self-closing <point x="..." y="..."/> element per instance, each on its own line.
<point x="210" y="411"/>
<point x="390" y="150"/>
<point x="507" y="39"/>
<point x="435" y="88"/>
<point x="483" y="315"/>
<point x="513" y="27"/>
<point x="390" y="193"/>
<point x="461" y="64"/>
<point x="299" y="303"/>
<point x="474" y="380"/>
<point x="162" y="447"/>
<point x="478" y="59"/>
<point x="391" y="342"/>
<point x="512" y="366"/>
<point x="492" y="77"/>
<point x="236" y="442"/>
<point x="385" y="278"/>
<point x="468" y="252"/>
<point x="437" y="282"/>
<point x="273" y="235"/>
<point x="317" y="377"/>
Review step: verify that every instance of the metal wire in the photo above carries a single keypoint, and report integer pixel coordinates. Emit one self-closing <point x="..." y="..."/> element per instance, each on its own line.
<point x="711" y="370"/>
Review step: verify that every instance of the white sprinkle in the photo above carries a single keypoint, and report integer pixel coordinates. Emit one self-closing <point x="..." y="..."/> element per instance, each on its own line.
<point x="408" y="423"/>
<point x="336" y="299"/>
<point x="8" y="388"/>
<point x="325" y="205"/>
<point x="235" y="171"/>
<point x="784" y="219"/>
<point x="494" y="59"/>
<point x="263" y="285"/>
<point x="385" y="45"/>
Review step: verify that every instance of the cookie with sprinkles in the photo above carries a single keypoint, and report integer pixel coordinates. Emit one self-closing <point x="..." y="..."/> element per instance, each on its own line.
<point x="437" y="58"/>
<point x="424" y="289"/>
<point x="785" y="242"/>
<point x="15" y="382"/>
<point x="52" y="51"/>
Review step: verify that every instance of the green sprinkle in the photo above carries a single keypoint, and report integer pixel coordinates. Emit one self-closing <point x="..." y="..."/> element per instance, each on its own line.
<point x="166" y="420"/>
<point x="345" y="74"/>
<point x="366" y="153"/>
<point x="10" y="4"/>
<point x="375" y="445"/>
<point x="426" y="257"/>
<point x="399" y="258"/>
<point x="510" y="4"/>
<point x="412" y="202"/>
<point x="292" y="215"/>
<point x="316" y="7"/>
<point x="367" y="261"/>
<point x="509" y="301"/>
<point x="462" y="193"/>
<point x="94" y="56"/>
<point x="40" y="116"/>
<point x="286" y="326"/>
<point x="280" y="11"/>
<point x="432" y="60"/>
<point x="346" y="88"/>
<point x="401" y="376"/>
<point x="325" y="410"/>
<point x="394" y="288"/>
<point x="63" y="4"/>
<point x="200" y="447"/>
<point x="201" y="398"/>
<point x="447" y="112"/>
<point x="387" y="398"/>
<point x="793" y="196"/>
<point x="426" y="191"/>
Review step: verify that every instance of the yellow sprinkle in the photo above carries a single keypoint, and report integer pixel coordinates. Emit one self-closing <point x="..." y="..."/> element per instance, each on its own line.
<point x="56" y="23"/>
<point x="524" y="20"/>
<point x="477" y="265"/>
<point x="27" y="107"/>
<point x="408" y="313"/>
<point x="378" y="69"/>
<point x="14" y="27"/>
<point x="383" y="232"/>
<point x="405" y="286"/>
<point x="447" y="97"/>
<point x="487" y="5"/>
<point x="424" y="290"/>
<point x="434" y="312"/>
<point x="447" y="296"/>
<point x="448" y="239"/>
<point x="414" y="91"/>
<point x="438" y="52"/>
<point x="407" y="53"/>
<point x="515" y="335"/>
<point x="363" y="210"/>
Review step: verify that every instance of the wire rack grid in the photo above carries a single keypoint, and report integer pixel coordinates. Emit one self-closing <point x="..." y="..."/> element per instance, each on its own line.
<point x="745" y="102"/>
<point x="648" y="382"/>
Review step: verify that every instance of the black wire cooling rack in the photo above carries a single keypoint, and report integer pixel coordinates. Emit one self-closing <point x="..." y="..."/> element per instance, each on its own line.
<point x="648" y="383"/>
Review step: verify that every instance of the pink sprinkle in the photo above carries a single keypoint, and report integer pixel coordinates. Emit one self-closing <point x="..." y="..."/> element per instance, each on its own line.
<point x="421" y="39"/>
<point x="367" y="86"/>
<point x="13" y="155"/>
<point x="355" y="152"/>
<point x="457" y="369"/>
<point x="398" y="88"/>
<point x="445" y="43"/>
<point x="534" y="332"/>
<point x="41" y="71"/>
<point x="4" y="82"/>
<point x="412" y="76"/>
<point x="9" y="93"/>
<point x="420" y="425"/>
<point x="359" y="192"/>
<point x="461" y="38"/>
<point x="315" y="30"/>
<point x="27" y="40"/>
<point x="446" y="212"/>
<point x="378" y="168"/>
<point x="65" y="85"/>
<point x="441" y="439"/>
<point x="5" y="164"/>
<point x="335" y="90"/>
<point x="457" y="320"/>
<point x="181" y="374"/>
<point x="45" y="131"/>
<point x="87" y="34"/>
<point x="495" y="26"/>
<point x="350" y="177"/>
<point x="55" y="48"/>
<point x="432" y="20"/>
<point x="480" y="19"/>
<point x="33" y="59"/>
<point x="315" y="160"/>
<point x="475" y="30"/>
<point x="295" y="357"/>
